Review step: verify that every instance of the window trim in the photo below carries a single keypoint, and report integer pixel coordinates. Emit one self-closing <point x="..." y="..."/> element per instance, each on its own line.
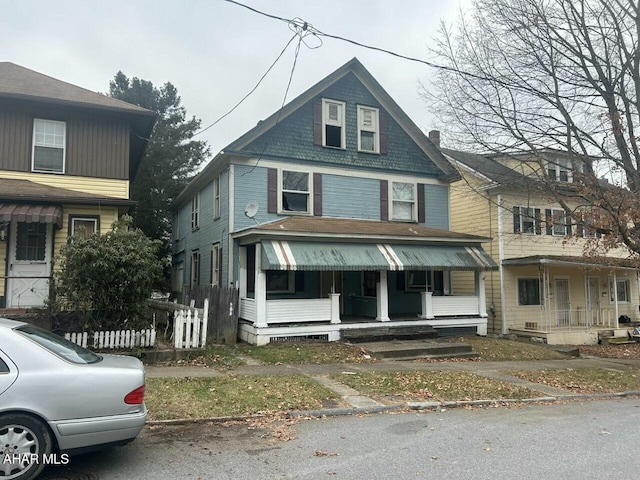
<point x="414" y="209"/>
<point x="281" y="190"/>
<point x="195" y="211"/>
<point x="559" y="166"/>
<point x="537" y="228"/>
<point x="540" y="293"/>
<point x="341" y="123"/>
<point x="627" y="290"/>
<point x="559" y="221"/>
<point x="194" y="280"/>
<point x="72" y="218"/>
<point x="375" y="130"/>
<point x="34" y="145"/>
<point x="215" y="262"/>
<point x="216" y="197"/>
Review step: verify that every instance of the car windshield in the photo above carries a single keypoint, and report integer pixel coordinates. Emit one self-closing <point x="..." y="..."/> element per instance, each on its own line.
<point x="58" y="345"/>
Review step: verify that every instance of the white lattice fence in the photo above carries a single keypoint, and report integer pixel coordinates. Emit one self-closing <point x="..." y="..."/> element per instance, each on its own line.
<point x="190" y="327"/>
<point x="120" y="339"/>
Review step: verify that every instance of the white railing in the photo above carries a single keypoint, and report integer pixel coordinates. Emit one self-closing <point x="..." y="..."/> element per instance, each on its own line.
<point x="190" y="327"/>
<point x="299" y="311"/>
<point x="248" y="309"/>
<point x="455" y="305"/>
<point x="540" y="319"/>
<point x="115" y="339"/>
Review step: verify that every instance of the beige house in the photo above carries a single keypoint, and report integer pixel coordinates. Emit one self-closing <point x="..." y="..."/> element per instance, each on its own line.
<point x="544" y="287"/>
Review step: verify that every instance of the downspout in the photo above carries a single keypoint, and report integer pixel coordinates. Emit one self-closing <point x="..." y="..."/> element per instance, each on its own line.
<point x="503" y="315"/>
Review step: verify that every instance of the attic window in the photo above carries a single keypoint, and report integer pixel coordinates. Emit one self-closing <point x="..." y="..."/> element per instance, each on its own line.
<point x="48" y="146"/>
<point x="333" y="124"/>
<point x="368" y="131"/>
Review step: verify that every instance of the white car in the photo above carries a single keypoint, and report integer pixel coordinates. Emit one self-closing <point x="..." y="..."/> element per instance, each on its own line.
<point x="57" y="398"/>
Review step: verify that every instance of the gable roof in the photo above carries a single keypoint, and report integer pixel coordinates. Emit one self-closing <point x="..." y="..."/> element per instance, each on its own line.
<point x="485" y="166"/>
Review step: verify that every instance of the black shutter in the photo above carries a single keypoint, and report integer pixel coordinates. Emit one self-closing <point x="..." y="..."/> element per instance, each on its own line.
<point x="384" y="138"/>
<point x="317" y="123"/>
<point x="272" y="190"/>
<point x="580" y="229"/>
<point x="384" y="200"/>
<point x="421" y="206"/>
<point x="569" y="220"/>
<point x="549" y="220"/>
<point x="317" y="194"/>
<point x="536" y="223"/>
<point x="516" y="219"/>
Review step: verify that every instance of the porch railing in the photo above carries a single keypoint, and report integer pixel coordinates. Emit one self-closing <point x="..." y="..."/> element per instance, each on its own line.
<point x="540" y="319"/>
<point x="301" y="310"/>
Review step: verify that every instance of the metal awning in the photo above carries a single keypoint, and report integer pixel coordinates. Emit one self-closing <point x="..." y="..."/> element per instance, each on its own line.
<point x="328" y="256"/>
<point x="31" y="213"/>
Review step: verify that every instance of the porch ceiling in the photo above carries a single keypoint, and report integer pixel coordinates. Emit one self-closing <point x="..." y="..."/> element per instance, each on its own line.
<point x="334" y="256"/>
<point x="578" y="262"/>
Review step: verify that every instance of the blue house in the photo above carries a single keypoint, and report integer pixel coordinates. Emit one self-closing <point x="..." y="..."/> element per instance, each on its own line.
<point x="331" y="214"/>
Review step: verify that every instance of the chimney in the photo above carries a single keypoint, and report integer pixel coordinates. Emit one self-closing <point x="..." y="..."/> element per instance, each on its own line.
<point x="434" y="136"/>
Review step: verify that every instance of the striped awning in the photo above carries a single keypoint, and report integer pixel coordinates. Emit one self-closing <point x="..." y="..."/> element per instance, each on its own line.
<point x="298" y="255"/>
<point x="31" y="213"/>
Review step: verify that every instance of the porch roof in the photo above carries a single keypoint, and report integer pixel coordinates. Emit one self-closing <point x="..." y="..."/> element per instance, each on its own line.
<point x="334" y="256"/>
<point x="31" y="213"/>
<point x="578" y="262"/>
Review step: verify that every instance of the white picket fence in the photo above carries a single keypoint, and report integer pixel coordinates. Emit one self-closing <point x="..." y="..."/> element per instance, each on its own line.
<point x="190" y="326"/>
<point x="120" y="339"/>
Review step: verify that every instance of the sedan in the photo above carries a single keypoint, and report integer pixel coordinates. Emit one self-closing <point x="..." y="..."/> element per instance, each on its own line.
<point x="57" y="399"/>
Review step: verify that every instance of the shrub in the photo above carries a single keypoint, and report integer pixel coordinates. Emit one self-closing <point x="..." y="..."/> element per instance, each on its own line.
<point x="106" y="279"/>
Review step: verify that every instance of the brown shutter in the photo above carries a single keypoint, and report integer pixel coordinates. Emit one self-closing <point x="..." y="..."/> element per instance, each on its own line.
<point x="384" y="200"/>
<point x="272" y="190"/>
<point x="384" y="143"/>
<point x="317" y="123"/>
<point x="317" y="194"/>
<point x="421" y="211"/>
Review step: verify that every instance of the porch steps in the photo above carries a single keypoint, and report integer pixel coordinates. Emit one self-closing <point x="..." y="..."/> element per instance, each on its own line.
<point x="386" y="333"/>
<point x="414" y="349"/>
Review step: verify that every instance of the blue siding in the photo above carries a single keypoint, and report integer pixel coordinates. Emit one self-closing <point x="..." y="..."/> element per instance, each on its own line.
<point x="251" y="186"/>
<point x="350" y="197"/>
<point x="436" y="202"/>
<point x="292" y="137"/>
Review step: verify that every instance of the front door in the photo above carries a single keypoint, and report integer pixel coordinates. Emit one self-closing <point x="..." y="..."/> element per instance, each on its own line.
<point x="563" y="306"/>
<point x="593" y="301"/>
<point x="29" y="264"/>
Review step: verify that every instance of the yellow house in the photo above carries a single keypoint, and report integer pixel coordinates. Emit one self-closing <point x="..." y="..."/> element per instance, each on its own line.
<point x="67" y="157"/>
<point x="545" y="287"/>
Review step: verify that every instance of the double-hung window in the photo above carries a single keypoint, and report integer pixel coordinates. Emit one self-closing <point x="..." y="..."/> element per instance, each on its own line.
<point x="195" y="269"/>
<point x="529" y="291"/>
<point x="295" y="192"/>
<point x="368" y="129"/>
<point x="526" y="220"/>
<point x="216" y="197"/>
<point x="195" y="212"/>
<point x="623" y="290"/>
<point x="558" y="171"/>
<point x="49" y="141"/>
<point x="403" y="201"/>
<point x="82" y="226"/>
<point x="215" y="264"/>
<point x="559" y="222"/>
<point x="333" y="134"/>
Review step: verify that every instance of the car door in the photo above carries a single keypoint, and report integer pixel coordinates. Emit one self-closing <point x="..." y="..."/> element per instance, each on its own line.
<point x="8" y="373"/>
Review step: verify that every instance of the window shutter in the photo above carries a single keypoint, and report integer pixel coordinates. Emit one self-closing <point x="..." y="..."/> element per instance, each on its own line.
<point x="317" y="194"/>
<point x="272" y="190"/>
<point x="537" y="222"/>
<point x="421" y="210"/>
<point x="568" y="221"/>
<point x="580" y="229"/>
<point x="384" y="141"/>
<point x="516" y="219"/>
<point x="549" y="221"/>
<point x="317" y="123"/>
<point x="384" y="200"/>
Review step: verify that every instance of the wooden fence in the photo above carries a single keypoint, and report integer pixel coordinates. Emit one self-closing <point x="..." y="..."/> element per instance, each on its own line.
<point x="222" y="322"/>
<point x="115" y="339"/>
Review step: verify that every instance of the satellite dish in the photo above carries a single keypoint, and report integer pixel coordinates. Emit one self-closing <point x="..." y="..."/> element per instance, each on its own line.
<point x="251" y="209"/>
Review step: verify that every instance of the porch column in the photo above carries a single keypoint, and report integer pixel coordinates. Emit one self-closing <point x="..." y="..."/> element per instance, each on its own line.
<point x="242" y="261"/>
<point x="615" y="297"/>
<point x="481" y="293"/>
<point x="427" y="305"/>
<point x="382" y="298"/>
<point x="261" y="290"/>
<point x="335" y="307"/>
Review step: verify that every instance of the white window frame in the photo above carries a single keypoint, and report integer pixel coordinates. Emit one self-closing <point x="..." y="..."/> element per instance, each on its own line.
<point x="216" y="197"/>
<point x="626" y="289"/>
<point x="559" y="219"/>
<point x="73" y="221"/>
<point x="194" y="273"/>
<point x="195" y="211"/>
<point x="537" y="229"/>
<point x="540" y="292"/>
<point x="340" y="122"/>
<point x="35" y="144"/>
<point x="375" y="128"/>
<point x="558" y="167"/>
<point x="414" y="207"/>
<point x="281" y="191"/>
<point x="215" y="264"/>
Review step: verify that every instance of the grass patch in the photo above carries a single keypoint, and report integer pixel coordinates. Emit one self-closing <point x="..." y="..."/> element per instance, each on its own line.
<point x="171" y="398"/>
<point x="585" y="380"/>
<point x="502" y="350"/>
<point x="436" y="386"/>
<point x="219" y="356"/>
<point x="305" y="352"/>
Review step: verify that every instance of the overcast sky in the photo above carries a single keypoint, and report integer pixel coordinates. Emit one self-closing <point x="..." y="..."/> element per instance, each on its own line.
<point x="214" y="52"/>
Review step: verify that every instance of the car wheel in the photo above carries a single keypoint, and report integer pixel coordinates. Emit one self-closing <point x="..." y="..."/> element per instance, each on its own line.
<point x="24" y="441"/>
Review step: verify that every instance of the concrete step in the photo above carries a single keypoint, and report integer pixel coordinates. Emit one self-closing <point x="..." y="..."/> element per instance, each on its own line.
<point x="387" y="333"/>
<point x="412" y="349"/>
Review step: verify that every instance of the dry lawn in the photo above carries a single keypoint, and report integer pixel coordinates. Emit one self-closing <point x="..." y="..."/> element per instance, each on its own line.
<point x="492" y="349"/>
<point x="585" y="380"/>
<point x="306" y="352"/>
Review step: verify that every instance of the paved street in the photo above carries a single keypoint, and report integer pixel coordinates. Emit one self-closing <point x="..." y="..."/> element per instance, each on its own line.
<point x="569" y="440"/>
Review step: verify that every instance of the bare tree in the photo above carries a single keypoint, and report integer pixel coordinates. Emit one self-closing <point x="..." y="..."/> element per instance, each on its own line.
<point x="533" y="76"/>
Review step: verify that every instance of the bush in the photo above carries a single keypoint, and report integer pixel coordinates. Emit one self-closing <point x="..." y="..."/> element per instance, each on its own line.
<point x="107" y="279"/>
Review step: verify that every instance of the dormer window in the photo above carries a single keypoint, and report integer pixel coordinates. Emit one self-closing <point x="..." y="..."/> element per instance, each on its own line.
<point x="368" y="130"/>
<point x="49" y="141"/>
<point x="333" y="134"/>
<point x="559" y="171"/>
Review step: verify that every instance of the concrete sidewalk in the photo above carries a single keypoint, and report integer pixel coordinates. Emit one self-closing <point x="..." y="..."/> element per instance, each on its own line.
<point x="361" y="403"/>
